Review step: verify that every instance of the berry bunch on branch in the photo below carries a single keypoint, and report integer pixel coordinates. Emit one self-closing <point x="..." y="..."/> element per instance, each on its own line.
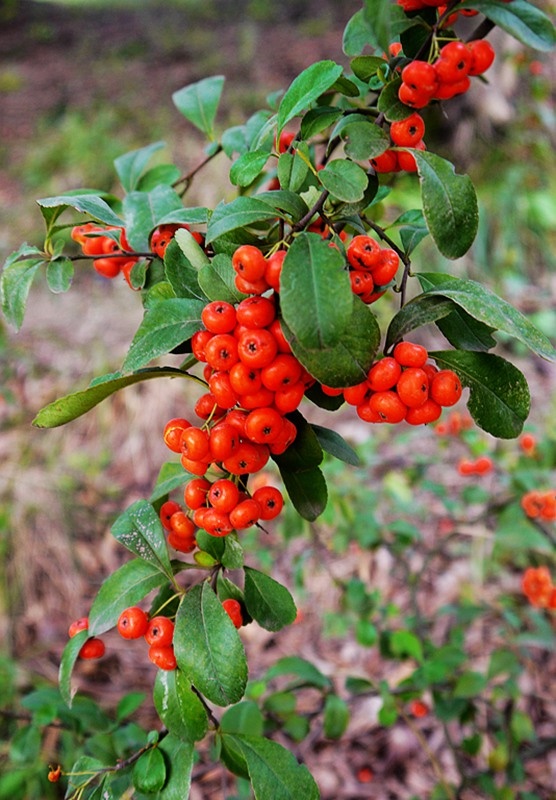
<point x="270" y="299"/>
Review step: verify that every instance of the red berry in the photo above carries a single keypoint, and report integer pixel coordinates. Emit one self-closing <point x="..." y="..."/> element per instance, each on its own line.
<point x="133" y="623"/>
<point x="93" y="648"/>
<point x="160" y="631"/>
<point x="233" y="610"/>
<point x="77" y="626"/>
<point x="163" y="656"/>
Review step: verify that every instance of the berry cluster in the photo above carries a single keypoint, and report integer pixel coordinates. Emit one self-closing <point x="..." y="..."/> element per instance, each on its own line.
<point x="163" y="235"/>
<point x="478" y="466"/>
<point x="371" y="267"/>
<point x="454" y="424"/>
<point x="93" y="647"/>
<point x="537" y="586"/>
<point x="407" y="132"/>
<point x="113" y="259"/>
<point x="540" y="505"/>
<point x="401" y="387"/>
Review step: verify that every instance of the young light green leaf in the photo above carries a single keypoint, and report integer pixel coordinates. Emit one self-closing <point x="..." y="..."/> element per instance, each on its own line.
<point x="267" y="601"/>
<point x="179" y="708"/>
<point x="162" y="173"/>
<point x="68" y="408"/>
<point x="307" y="87"/>
<point x="336" y="445"/>
<point x="149" y="771"/>
<point x="59" y="274"/>
<point x="315" y="293"/>
<point x="239" y="213"/>
<point x="130" y="166"/>
<point x="143" y="211"/>
<point x="181" y="274"/>
<point x="247" y="167"/>
<point x="15" y="282"/>
<point x="522" y="20"/>
<point x="140" y="530"/>
<point x="499" y="399"/>
<point x="449" y="204"/>
<point x="164" y="326"/>
<point x="344" y="179"/>
<point x="483" y="305"/>
<point x="123" y="588"/>
<point x="273" y="770"/>
<point x="208" y="648"/>
<point x="199" y="101"/>
<point x="67" y="663"/>
<point x="217" y="280"/>
<point x="90" y="204"/>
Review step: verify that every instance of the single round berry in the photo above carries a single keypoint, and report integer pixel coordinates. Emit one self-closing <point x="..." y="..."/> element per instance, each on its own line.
<point x="133" y="623"/>
<point x="163" y="656"/>
<point x="92" y="649"/>
<point x="160" y="631"/>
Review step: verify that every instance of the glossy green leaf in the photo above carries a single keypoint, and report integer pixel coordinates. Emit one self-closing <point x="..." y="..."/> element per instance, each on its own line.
<point x="243" y="718"/>
<point x="149" y="771"/>
<point x="178" y="757"/>
<point x="292" y="171"/>
<point x="131" y="166"/>
<point x="524" y="21"/>
<point x="90" y="204"/>
<point x="305" y="451"/>
<point x="307" y="87"/>
<point x="74" y="405"/>
<point x="348" y="362"/>
<point x="217" y="280"/>
<point x="208" y="648"/>
<point x="16" y="279"/>
<point x="336" y="716"/>
<point x="267" y="601"/>
<point x="286" y="201"/>
<point x="164" y="326"/>
<point x="125" y="587"/>
<point x="315" y="292"/>
<point x="366" y="67"/>
<point x="449" y="204"/>
<point x="336" y="445"/>
<point x="344" y="179"/>
<point x="499" y="399"/>
<point x="482" y="304"/>
<point x="464" y="332"/>
<point x="273" y="770"/>
<point x="181" y="274"/>
<point x="198" y="102"/>
<point x="239" y="213"/>
<point x="143" y="211"/>
<point x="178" y="706"/>
<point x="140" y="530"/>
<point x="67" y="663"/>
<point x="59" y="274"/>
<point x="377" y="14"/>
<point x="389" y="103"/>
<point x="170" y="477"/>
<point x="248" y="166"/>
<point x="317" y="120"/>
<point x="422" y="310"/>
<point x="307" y="491"/>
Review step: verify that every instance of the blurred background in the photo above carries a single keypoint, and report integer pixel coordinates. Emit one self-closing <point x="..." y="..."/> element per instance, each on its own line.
<point x="82" y="83"/>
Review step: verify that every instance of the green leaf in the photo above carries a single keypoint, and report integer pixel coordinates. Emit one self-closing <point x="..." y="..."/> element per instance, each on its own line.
<point x="267" y="601"/>
<point x="179" y="708"/>
<point x="422" y="310"/>
<point x="284" y="200"/>
<point x="143" y="211"/>
<point x="318" y="120"/>
<point x="59" y="274"/>
<point x="449" y="204"/>
<point x="348" y="362"/>
<point x="125" y="587"/>
<point x="307" y="87"/>
<point x="273" y="770"/>
<point x="363" y="140"/>
<point x="304" y="670"/>
<point x="358" y="33"/>
<point x="483" y="305"/>
<point x="74" y="405"/>
<point x="344" y="179"/>
<point x="336" y="716"/>
<point x="67" y="663"/>
<point x="81" y="772"/>
<point x="499" y="399"/>
<point x="305" y="451"/>
<point x="239" y="213"/>
<point x="315" y="293"/>
<point x="292" y="171"/>
<point x="149" y="771"/>
<point x="191" y="248"/>
<point x="208" y="648"/>
<point x="243" y="718"/>
<point x="389" y="103"/>
<point x="405" y="644"/>
<point x="336" y="445"/>
<point x="164" y="326"/>
<point x="366" y="67"/>
<point x="90" y="204"/>
<point x="162" y="173"/>
<point x="217" y="280"/>
<point x="377" y="14"/>
<point x="248" y="166"/>
<point x="17" y="276"/>
<point x="171" y="476"/>
<point x="307" y="491"/>
<point x="178" y="756"/>
<point x="128" y="705"/>
<point x="140" y="530"/>
<point x="131" y="166"/>
<point x="182" y="275"/>
<point x="470" y="684"/>
<point x="522" y="20"/>
<point x="199" y="101"/>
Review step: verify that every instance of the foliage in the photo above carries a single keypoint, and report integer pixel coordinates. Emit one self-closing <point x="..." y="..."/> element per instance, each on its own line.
<point x="312" y="180"/>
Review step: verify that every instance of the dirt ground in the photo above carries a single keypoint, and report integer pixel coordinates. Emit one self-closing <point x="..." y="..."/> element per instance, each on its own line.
<point x="65" y="486"/>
